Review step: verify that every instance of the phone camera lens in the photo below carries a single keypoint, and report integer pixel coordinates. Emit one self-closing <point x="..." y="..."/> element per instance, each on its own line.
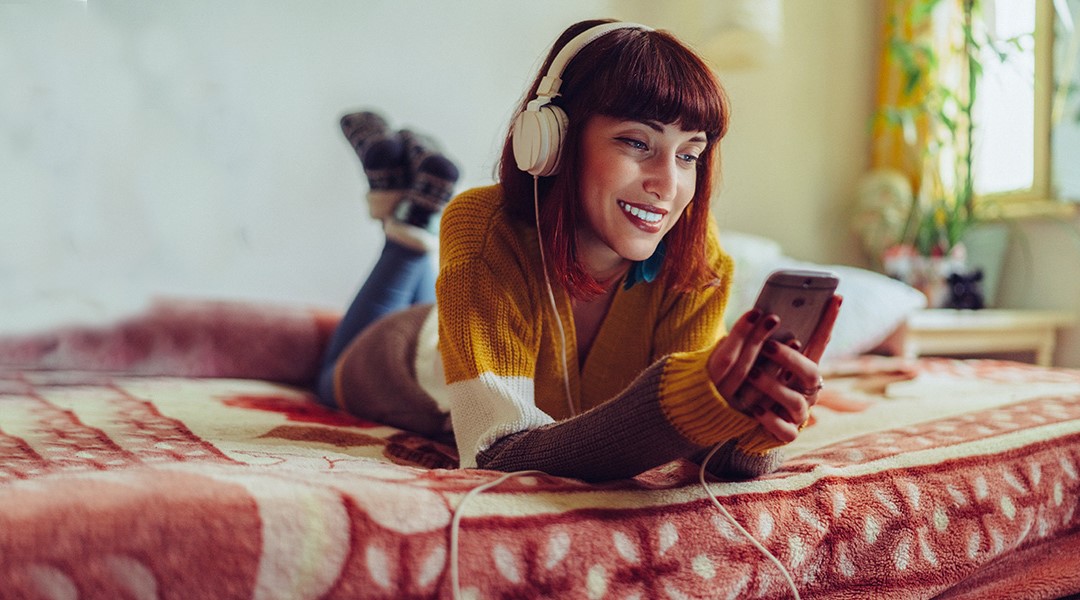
<point x="798" y="302"/>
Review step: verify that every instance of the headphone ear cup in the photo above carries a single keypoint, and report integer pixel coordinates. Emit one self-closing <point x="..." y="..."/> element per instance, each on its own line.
<point x="539" y="130"/>
<point x="526" y="138"/>
<point x="556" y="121"/>
<point x="537" y="140"/>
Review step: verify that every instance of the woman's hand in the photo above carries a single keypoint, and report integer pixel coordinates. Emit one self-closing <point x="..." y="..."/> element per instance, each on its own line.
<point x="780" y="390"/>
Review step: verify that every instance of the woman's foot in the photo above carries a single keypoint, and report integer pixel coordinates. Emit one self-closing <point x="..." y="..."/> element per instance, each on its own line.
<point x="415" y="221"/>
<point x="382" y="155"/>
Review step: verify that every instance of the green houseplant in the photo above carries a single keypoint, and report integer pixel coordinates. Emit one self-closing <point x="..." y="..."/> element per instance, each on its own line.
<point x="930" y="119"/>
<point x="937" y="127"/>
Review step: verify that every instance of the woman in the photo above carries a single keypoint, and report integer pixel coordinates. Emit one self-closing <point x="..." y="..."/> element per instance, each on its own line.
<point x="579" y="305"/>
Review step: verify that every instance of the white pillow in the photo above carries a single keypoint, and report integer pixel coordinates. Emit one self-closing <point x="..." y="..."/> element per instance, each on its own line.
<point x="874" y="305"/>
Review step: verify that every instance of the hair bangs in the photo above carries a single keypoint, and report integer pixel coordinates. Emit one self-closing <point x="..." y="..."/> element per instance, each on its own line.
<point x="660" y="81"/>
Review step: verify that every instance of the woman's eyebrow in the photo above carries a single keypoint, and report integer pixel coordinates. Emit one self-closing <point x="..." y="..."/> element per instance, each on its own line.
<point x="656" y="126"/>
<point x="659" y="128"/>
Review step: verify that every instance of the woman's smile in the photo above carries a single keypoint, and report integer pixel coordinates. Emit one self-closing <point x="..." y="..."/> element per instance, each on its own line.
<point x="645" y="217"/>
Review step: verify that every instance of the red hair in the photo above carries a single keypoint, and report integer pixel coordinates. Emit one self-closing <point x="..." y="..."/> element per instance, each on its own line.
<point x="629" y="74"/>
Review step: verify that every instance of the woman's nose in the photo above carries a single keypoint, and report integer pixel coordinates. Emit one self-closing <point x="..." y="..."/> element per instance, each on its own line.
<point x="661" y="176"/>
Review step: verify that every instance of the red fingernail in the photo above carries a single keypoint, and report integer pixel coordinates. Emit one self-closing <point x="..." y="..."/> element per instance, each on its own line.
<point x="753" y="316"/>
<point x="772" y="321"/>
<point x="770" y="347"/>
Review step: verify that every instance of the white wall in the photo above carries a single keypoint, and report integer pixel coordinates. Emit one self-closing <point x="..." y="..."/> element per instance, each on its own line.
<point x="799" y="139"/>
<point x="193" y="146"/>
<point x="1042" y="270"/>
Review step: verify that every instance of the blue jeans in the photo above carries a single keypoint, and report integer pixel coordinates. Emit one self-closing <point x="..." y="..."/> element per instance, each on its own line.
<point x="401" y="278"/>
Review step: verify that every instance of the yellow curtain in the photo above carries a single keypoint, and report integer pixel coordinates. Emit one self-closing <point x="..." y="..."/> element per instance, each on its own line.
<point x="922" y="62"/>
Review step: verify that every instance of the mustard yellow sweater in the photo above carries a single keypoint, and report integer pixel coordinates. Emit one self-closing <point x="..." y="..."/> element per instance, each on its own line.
<point x="641" y="398"/>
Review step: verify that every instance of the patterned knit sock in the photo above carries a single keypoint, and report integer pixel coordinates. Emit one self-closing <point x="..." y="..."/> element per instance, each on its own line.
<point x="415" y="222"/>
<point x="382" y="155"/>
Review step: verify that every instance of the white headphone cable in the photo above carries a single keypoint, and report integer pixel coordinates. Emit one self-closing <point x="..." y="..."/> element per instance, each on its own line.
<point x="551" y="298"/>
<point x="455" y="525"/>
<point x="761" y="548"/>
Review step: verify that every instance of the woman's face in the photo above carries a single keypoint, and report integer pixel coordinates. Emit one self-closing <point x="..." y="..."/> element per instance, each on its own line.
<point x="637" y="178"/>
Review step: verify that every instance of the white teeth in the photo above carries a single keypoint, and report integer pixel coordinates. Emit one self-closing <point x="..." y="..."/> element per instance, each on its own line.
<point x="644" y="215"/>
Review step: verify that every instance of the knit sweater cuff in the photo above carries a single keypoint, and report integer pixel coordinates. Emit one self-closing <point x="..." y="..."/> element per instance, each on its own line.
<point x="759" y="445"/>
<point x="731" y="462"/>
<point x="694" y="406"/>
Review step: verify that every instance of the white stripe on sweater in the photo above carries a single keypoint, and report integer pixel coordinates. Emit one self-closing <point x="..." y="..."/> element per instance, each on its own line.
<point x="491" y="407"/>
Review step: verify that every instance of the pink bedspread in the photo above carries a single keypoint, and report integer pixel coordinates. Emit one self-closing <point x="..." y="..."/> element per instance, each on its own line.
<point x="954" y="479"/>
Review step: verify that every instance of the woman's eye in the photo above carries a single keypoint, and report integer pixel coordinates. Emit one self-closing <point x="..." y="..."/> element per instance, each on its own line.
<point x="688" y="158"/>
<point x="634" y="143"/>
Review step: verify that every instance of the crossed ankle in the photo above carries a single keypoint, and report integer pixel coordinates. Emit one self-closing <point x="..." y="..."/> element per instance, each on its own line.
<point x="415" y="223"/>
<point x="417" y="213"/>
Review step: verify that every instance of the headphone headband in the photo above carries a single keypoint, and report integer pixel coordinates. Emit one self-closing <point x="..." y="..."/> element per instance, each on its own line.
<point x="549" y="85"/>
<point x="540" y="128"/>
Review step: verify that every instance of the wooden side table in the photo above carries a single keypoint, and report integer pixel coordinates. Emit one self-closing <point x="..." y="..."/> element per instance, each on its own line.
<point x="988" y="331"/>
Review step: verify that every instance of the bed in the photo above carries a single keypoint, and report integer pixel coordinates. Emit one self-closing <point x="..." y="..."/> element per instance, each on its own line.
<point x="178" y="454"/>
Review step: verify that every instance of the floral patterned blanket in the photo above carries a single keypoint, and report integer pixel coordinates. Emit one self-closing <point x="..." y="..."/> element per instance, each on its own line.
<point x="163" y="476"/>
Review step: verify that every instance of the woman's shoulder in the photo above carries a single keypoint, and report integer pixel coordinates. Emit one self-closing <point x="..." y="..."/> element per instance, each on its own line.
<point x="478" y="203"/>
<point x="476" y="222"/>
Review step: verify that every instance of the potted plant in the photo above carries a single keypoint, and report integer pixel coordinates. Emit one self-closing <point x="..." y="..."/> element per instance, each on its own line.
<point x="915" y="221"/>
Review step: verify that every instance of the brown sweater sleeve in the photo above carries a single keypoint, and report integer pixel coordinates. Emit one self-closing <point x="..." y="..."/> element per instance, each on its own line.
<point x="618" y="439"/>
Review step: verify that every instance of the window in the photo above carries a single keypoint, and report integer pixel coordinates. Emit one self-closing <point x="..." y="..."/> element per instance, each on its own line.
<point x="1004" y="110"/>
<point x="1026" y="114"/>
<point x="1064" y="105"/>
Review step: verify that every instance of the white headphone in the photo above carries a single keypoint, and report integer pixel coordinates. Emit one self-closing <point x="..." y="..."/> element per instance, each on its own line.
<point x="539" y="129"/>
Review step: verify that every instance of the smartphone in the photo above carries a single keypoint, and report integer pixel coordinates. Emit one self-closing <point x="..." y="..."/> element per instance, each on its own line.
<point x="799" y="298"/>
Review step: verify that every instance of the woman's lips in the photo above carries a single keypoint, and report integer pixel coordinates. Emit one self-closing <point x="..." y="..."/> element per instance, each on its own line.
<point x="644" y="217"/>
